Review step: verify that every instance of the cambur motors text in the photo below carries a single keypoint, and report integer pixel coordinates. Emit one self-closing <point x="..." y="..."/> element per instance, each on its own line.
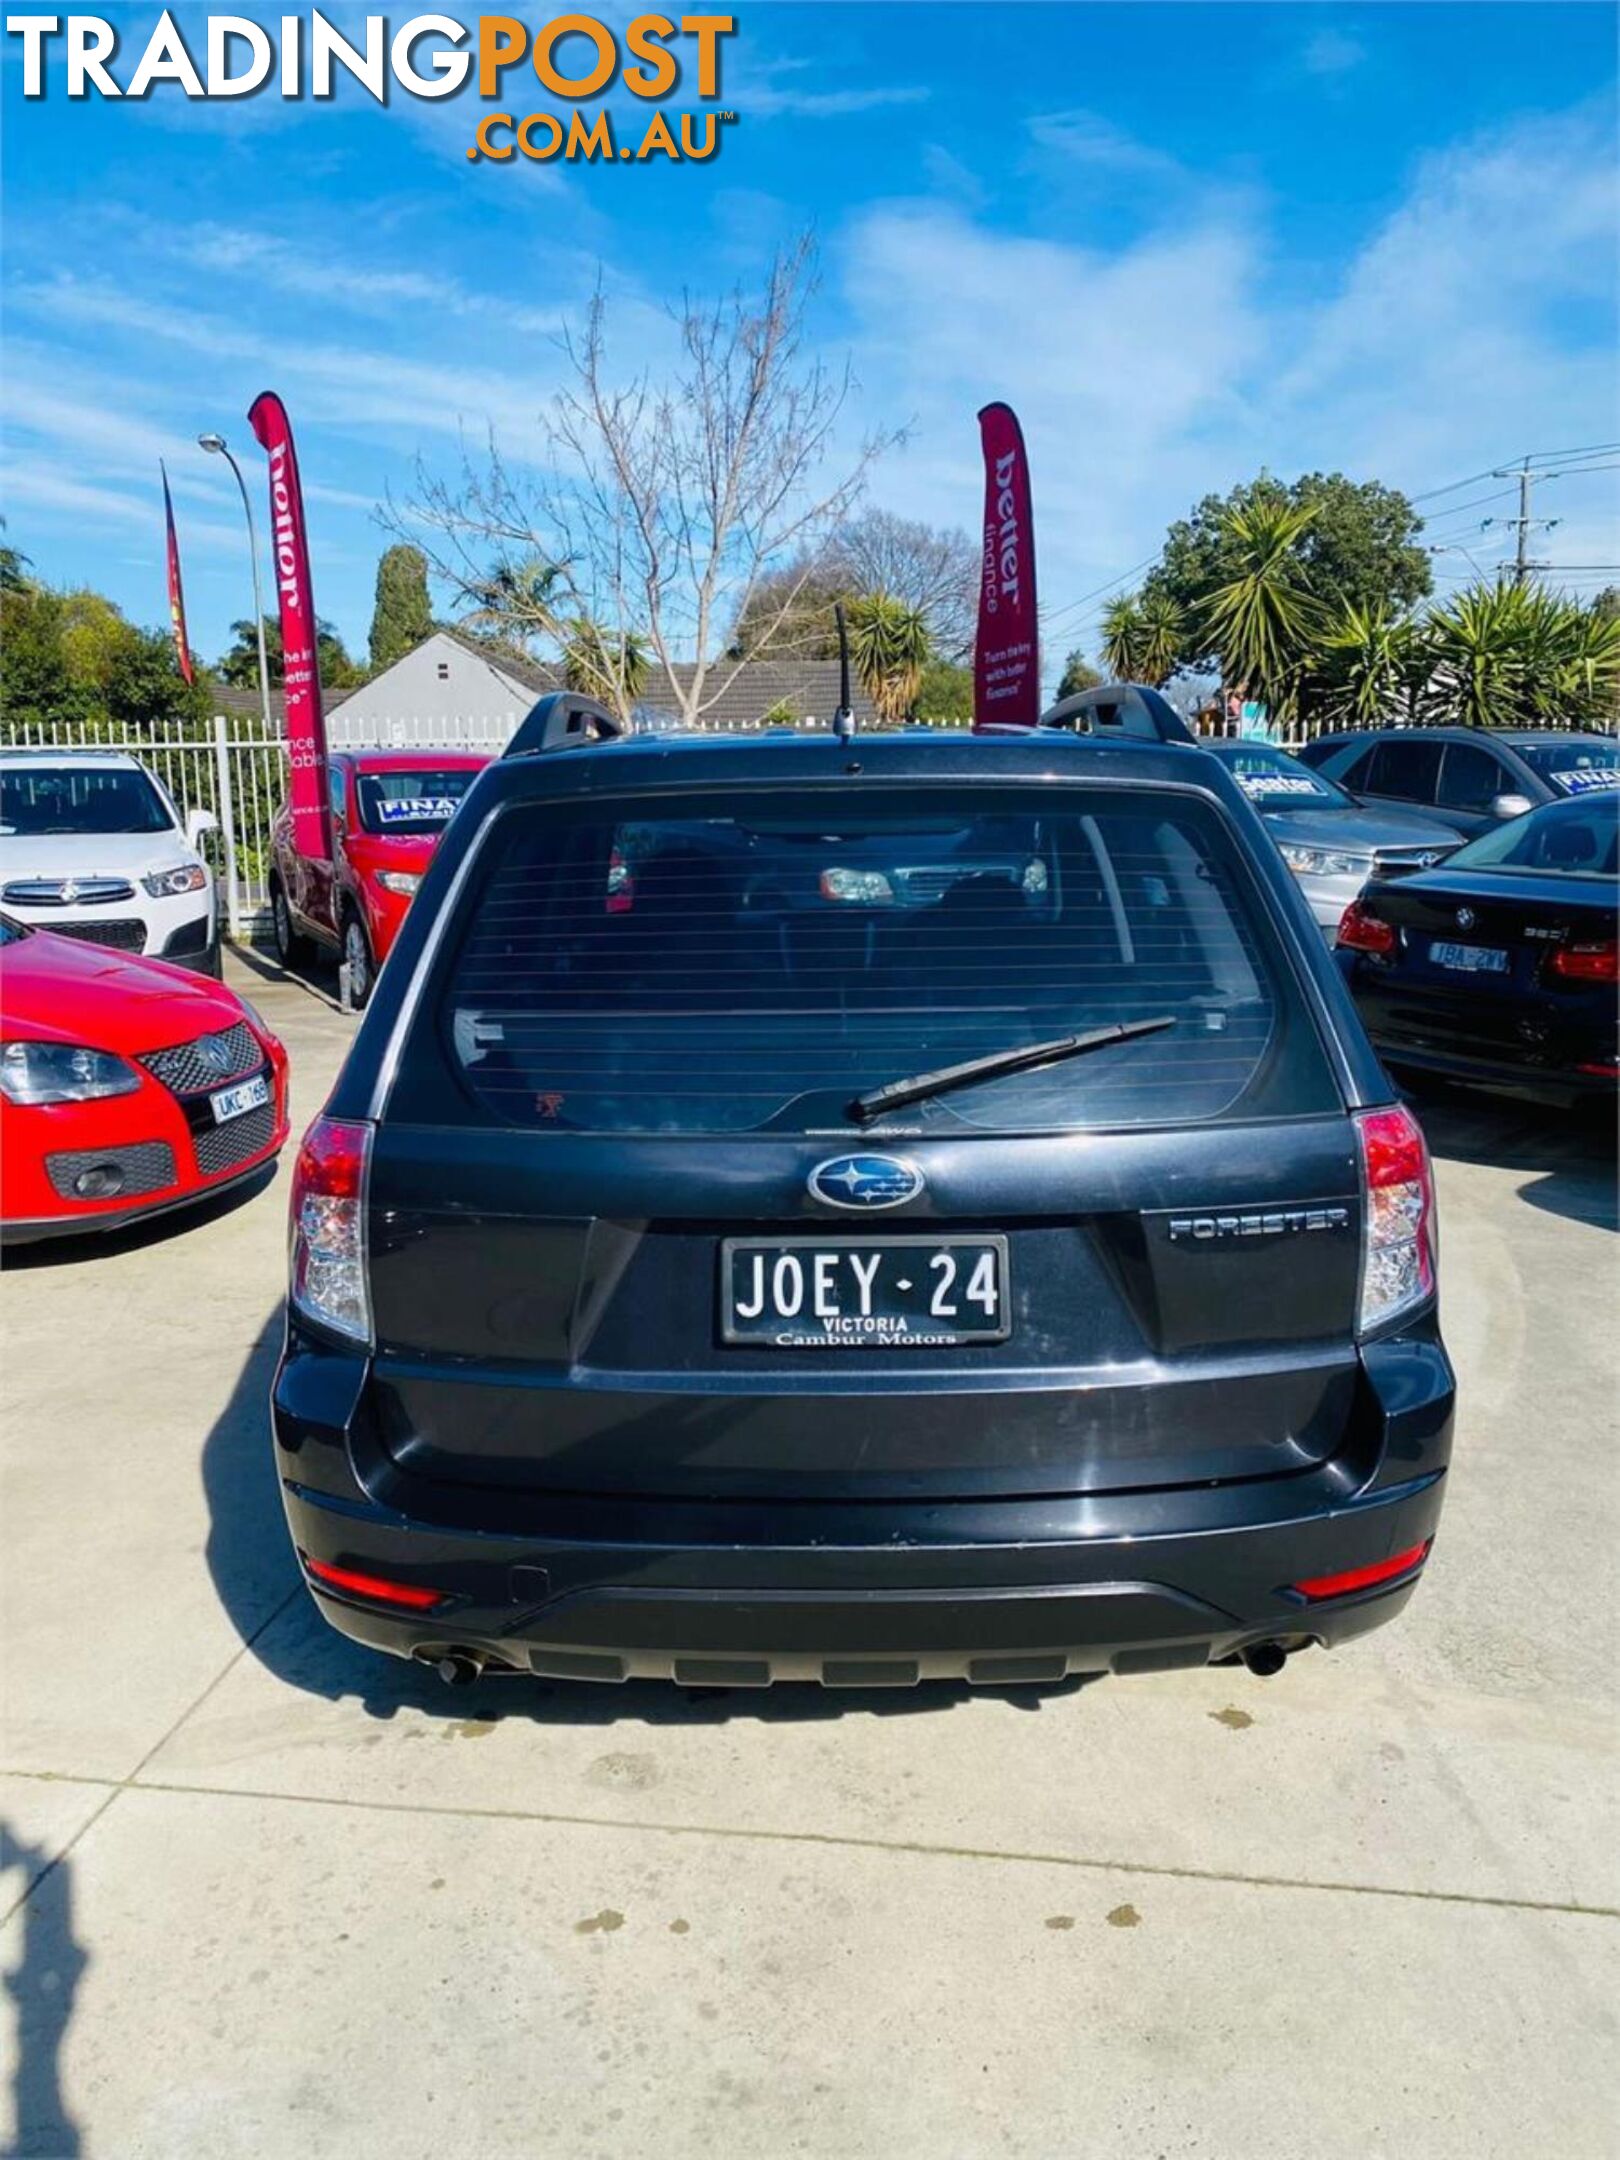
<point x="574" y="58"/>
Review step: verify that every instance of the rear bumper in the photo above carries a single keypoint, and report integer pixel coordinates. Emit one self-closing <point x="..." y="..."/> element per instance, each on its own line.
<point x="1540" y="1082"/>
<point x="877" y="1594"/>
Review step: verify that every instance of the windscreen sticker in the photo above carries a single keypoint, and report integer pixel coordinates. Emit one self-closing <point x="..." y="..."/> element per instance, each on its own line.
<point x="416" y="810"/>
<point x="1260" y="783"/>
<point x="1583" y="779"/>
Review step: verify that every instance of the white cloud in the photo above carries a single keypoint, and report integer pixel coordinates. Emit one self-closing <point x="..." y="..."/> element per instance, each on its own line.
<point x="772" y="87"/>
<point x="358" y="385"/>
<point x="1332" y="52"/>
<point x="1477" y="320"/>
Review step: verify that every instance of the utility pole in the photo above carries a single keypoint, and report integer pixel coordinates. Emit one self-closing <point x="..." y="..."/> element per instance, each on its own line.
<point x="1522" y="524"/>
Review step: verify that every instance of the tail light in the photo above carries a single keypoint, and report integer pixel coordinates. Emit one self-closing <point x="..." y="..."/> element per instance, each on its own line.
<point x="328" y="1259"/>
<point x="1397" y="1250"/>
<point x="379" y="1588"/>
<point x="1364" y="1578"/>
<point x="1362" y="932"/>
<point x="1587" y="963"/>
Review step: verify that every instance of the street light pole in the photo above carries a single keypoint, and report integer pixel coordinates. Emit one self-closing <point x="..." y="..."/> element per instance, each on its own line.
<point x="217" y="445"/>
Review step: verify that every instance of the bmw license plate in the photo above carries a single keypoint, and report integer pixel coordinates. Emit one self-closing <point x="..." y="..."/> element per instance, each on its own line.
<point x="1470" y="959"/>
<point x="234" y="1101"/>
<point x="915" y="1293"/>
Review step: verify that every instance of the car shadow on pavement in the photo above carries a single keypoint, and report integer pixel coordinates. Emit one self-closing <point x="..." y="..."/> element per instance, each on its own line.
<point x="42" y="1982"/>
<point x="318" y="979"/>
<point x="258" y="1581"/>
<point x="1571" y="1157"/>
<point x="82" y="1245"/>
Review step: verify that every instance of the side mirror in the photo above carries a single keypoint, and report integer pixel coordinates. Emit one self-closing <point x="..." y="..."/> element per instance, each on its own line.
<point x="1510" y="806"/>
<point x="199" y="822"/>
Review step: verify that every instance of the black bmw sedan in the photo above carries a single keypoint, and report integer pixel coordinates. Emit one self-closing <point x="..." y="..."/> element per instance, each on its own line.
<point x="1500" y="967"/>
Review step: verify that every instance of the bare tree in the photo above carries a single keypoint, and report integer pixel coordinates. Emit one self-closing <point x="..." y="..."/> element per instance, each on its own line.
<point x="934" y="572"/>
<point x="663" y="505"/>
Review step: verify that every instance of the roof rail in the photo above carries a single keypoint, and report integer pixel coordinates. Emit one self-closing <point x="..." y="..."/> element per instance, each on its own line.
<point x="564" y="721"/>
<point x="1119" y="709"/>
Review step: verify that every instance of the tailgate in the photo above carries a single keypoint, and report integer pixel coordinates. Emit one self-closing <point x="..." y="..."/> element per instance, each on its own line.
<point x="1178" y="1308"/>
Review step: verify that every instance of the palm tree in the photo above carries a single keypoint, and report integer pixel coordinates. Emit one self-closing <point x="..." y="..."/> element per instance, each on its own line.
<point x="1261" y="620"/>
<point x="1589" y="671"/>
<point x="889" y="646"/>
<point x="1366" y="665"/>
<point x="1123" y="637"/>
<point x="1163" y="630"/>
<point x="609" y="665"/>
<point x="516" y="603"/>
<point x="1481" y="643"/>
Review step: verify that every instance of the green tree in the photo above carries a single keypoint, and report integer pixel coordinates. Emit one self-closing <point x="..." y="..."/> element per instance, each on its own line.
<point x="1163" y="633"/>
<point x="402" y="616"/>
<point x="74" y="658"/>
<point x="1368" y="666"/>
<point x="1261" y="618"/>
<point x="1123" y="638"/>
<point x="1077" y="675"/>
<point x="888" y="649"/>
<point x="518" y="604"/>
<point x="608" y="665"/>
<point x="945" y="694"/>
<point x="1358" y="547"/>
<point x="240" y="665"/>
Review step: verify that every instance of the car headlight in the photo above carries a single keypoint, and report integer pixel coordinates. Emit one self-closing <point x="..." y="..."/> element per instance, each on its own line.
<point x="399" y="881"/>
<point x="869" y="888"/>
<point x="255" y="1017"/>
<point x="1323" y="862"/>
<point x="168" y="884"/>
<point x="40" y="1072"/>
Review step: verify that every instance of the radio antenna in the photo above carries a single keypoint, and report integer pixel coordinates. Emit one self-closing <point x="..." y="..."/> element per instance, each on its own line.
<point x="844" y="717"/>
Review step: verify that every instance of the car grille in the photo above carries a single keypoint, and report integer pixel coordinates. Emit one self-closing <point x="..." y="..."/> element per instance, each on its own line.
<point x="220" y="1147"/>
<point x="1398" y="862"/>
<point x="129" y="935"/>
<point x="188" y="1070"/>
<point x="66" y="892"/>
<point x="147" y="1166"/>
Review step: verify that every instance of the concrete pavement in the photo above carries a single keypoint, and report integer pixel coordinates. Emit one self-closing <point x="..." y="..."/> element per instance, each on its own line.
<point x="274" y="1896"/>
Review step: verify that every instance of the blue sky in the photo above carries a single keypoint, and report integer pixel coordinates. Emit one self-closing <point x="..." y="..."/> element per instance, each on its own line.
<point x="1184" y="242"/>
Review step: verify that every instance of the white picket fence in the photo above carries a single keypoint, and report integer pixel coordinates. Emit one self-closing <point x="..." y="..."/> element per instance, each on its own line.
<point x="238" y="771"/>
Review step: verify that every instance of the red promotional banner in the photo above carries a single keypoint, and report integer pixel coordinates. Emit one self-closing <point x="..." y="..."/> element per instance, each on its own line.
<point x="177" y="598"/>
<point x="300" y="670"/>
<point x="1006" y="657"/>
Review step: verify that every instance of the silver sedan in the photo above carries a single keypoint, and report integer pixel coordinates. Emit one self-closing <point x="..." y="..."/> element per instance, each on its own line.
<point x="1333" y="844"/>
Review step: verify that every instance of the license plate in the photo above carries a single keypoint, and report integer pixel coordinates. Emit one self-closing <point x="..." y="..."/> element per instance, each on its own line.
<point x="914" y="1293"/>
<point x="246" y="1095"/>
<point x="1471" y="959"/>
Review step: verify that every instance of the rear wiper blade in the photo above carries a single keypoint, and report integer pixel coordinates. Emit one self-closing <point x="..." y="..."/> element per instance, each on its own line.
<point x="895" y="1094"/>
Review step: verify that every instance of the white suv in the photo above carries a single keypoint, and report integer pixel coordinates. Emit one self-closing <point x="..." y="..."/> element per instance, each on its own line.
<point x="92" y="846"/>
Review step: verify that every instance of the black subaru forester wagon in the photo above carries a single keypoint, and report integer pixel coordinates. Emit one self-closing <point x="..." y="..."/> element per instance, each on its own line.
<point x="860" y="1211"/>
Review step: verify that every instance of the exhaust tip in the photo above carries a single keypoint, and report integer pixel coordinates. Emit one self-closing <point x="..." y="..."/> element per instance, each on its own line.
<point x="459" y="1668"/>
<point x="1264" y="1659"/>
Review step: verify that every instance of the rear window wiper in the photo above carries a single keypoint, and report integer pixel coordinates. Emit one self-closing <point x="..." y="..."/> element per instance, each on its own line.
<point x="895" y="1094"/>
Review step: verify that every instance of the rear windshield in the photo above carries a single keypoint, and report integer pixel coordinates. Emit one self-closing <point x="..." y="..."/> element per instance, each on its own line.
<point x="756" y="968"/>
<point x="411" y="802"/>
<point x="80" y="799"/>
<point x="1575" y="766"/>
<point x="1580" y="839"/>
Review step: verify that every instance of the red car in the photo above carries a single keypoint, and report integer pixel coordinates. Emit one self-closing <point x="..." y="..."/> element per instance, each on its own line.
<point x="389" y="810"/>
<point x="127" y="1086"/>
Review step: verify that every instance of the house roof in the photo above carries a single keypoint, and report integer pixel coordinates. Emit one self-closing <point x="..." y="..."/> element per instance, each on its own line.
<point x="737" y="695"/>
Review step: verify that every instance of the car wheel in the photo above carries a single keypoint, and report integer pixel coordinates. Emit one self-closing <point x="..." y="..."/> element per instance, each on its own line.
<point x="291" y="949"/>
<point x="357" y="959"/>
